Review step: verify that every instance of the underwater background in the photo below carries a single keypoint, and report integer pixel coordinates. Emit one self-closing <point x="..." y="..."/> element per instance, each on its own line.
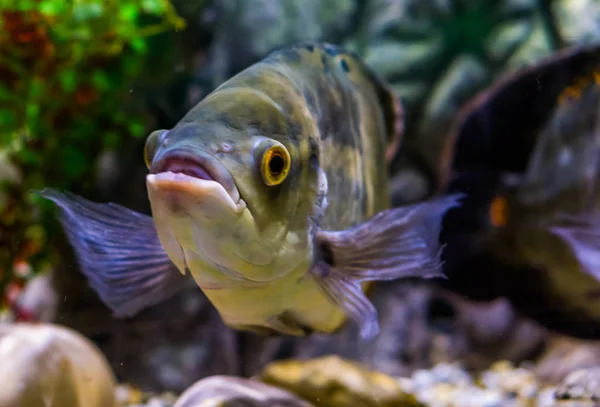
<point x="83" y="83"/>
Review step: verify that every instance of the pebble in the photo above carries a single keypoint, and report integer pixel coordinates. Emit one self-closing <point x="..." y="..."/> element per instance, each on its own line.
<point x="444" y="385"/>
<point x="502" y="385"/>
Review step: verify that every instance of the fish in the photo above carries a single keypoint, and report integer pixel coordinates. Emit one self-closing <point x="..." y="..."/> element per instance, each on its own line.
<point x="529" y="229"/>
<point x="272" y="194"/>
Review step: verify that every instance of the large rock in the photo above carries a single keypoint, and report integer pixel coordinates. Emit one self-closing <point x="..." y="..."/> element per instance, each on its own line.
<point x="45" y="365"/>
<point x="334" y="382"/>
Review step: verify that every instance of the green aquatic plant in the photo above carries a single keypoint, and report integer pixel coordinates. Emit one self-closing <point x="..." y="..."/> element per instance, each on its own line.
<point x="66" y="71"/>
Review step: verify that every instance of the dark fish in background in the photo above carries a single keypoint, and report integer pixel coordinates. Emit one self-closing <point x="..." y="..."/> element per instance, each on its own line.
<point x="272" y="193"/>
<point x="527" y="154"/>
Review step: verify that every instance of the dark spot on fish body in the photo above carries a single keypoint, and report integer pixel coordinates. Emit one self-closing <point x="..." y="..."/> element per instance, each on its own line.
<point x="324" y="61"/>
<point x="310" y="48"/>
<point x="344" y="65"/>
<point x="348" y="116"/>
<point x="358" y="193"/>
<point x="314" y="153"/>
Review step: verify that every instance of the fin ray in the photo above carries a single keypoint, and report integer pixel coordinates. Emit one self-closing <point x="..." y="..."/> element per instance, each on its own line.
<point x="348" y="295"/>
<point x="119" y="252"/>
<point x="395" y="243"/>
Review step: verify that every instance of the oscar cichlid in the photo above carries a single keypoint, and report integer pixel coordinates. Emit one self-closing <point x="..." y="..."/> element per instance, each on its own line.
<point x="530" y="228"/>
<point x="272" y="193"/>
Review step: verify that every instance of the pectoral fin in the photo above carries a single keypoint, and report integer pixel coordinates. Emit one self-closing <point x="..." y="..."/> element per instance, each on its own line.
<point x="582" y="235"/>
<point x="395" y="243"/>
<point x="118" y="250"/>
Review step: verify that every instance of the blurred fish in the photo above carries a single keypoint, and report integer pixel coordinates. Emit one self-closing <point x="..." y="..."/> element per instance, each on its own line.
<point x="530" y="229"/>
<point x="273" y="194"/>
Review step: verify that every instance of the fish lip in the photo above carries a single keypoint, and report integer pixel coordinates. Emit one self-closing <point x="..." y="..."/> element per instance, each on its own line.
<point x="181" y="157"/>
<point x="199" y="167"/>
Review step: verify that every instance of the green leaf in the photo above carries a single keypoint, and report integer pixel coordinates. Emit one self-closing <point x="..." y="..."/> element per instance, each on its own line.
<point x="37" y="88"/>
<point x="8" y="119"/>
<point x="100" y="80"/>
<point x="26" y="5"/>
<point x="52" y="7"/>
<point x="28" y="156"/>
<point x="33" y="111"/>
<point x="68" y="80"/>
<point x="129" y="12"/>
<point x="153" y="6"/>
<point x="139" y="45"/>
<point x="136" y="129"/>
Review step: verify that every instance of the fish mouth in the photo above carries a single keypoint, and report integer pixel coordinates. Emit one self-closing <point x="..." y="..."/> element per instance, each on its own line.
<point x="183" y="165"/>
<point x="199" y="175"/>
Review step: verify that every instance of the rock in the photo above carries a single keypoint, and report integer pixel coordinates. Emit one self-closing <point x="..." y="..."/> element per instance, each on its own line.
<point x="448" y="384"/>
<point x="331" y="381"/>
<point x="582" y="384"/>
<point x="130" y="396"/>
<point x="46" y="365"/>
<point x="501" y="385"/>
<point x="519" y="382"/>
<point x="231" y="391"/>
<point x="564" y="355"/>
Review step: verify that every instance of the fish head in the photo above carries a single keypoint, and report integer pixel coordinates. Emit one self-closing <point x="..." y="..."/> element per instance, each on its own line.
<point x="226" y="188"/>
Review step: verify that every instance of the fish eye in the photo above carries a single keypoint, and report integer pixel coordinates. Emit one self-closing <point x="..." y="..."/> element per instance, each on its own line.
<point x="152" y="143"/>
<point x="275" y="165"/>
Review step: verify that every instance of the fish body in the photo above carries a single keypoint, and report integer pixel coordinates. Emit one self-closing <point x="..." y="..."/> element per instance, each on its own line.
<point x="531" y="229"/>
<point x="272" y="193"/>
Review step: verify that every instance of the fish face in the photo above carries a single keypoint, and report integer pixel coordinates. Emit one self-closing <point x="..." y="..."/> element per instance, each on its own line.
<point x="225" y="197"/>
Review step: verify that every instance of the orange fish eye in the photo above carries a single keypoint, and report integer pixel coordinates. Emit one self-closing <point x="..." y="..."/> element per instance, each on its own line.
<point x="275" y="165"/>
<point x="499" y="211"/>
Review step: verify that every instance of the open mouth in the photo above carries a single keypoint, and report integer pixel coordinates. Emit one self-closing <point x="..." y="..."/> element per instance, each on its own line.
<point x="183" y="165"/>
<point x="198" y="175"/>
